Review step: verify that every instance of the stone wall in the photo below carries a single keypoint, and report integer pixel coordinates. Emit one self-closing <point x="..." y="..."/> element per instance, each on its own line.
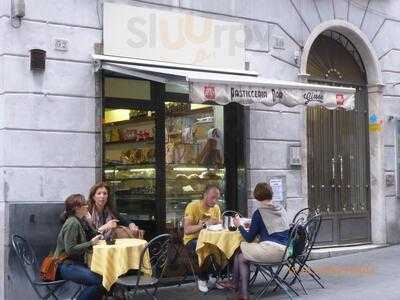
<point x="50" y="121"/>
<point x="49" y="124"/>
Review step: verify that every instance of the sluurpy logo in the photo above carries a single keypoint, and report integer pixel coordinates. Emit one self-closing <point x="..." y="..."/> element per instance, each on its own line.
<point x="313" y="97"/>
<point x="209" y="92"/>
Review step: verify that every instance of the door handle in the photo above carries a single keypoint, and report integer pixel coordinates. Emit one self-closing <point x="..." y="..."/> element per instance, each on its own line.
<point x="333" y="162"/>
<point x="341" y="168"/>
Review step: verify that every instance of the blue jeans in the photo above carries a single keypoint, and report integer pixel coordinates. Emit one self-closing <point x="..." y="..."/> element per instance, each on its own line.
<point x="204" y="270"/>
<point x="82" y="275"/>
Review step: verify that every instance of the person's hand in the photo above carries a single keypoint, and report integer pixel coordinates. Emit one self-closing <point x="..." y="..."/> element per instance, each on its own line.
<point x="111" y="224"/>
<point x="95" y="240"/>
<point x="203" y="223"/>
<point x="133" y="227"/>
<point x="213" y="221"/>
<point x="236" y="221"/>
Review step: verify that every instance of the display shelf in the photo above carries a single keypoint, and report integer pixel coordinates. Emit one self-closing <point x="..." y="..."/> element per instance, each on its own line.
<point x="168" y="114"/>
<point x="189" y="113"/>
<point x="193" y="179"/>
<point x="149" y="141"/>
<point x="127" y="179"/>
<point x="131" y="166"/>
<point x="128" y="122"/>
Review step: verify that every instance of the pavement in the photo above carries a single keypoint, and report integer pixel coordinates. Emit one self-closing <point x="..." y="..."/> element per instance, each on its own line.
<point x="374" y="274"/>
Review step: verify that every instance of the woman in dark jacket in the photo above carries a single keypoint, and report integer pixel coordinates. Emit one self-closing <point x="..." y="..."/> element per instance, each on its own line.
<point x="72" y="241"/>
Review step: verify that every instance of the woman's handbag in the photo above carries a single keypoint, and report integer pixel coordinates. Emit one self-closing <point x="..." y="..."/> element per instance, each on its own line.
<point x="123" y="232"/>
<point x="48" y="269"/>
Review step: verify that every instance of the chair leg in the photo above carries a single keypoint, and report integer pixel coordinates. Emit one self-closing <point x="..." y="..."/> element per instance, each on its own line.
<point x="312" y="271"/>
<point x="309" y="272"/>
<point x="254" y="277"/>
<point x="278" y="281"/>
<point x="284" y="277"/>
<point x="51" y="292"/>
<point x="270" y="280"/>
<point x="296" y="276"/>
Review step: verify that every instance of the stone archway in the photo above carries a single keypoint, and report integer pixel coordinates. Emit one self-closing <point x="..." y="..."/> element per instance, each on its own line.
<point x="375" y="88"/>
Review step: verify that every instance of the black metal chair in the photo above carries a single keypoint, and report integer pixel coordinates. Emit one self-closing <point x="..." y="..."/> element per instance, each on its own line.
<point x="299" y="263"/>
<point x="158" y="249"/>
<point x="271" y="271"/>
<point x="302" y="216"/>
<point x="230" y="213"/>
<point x="28" y="260"/>
<point x="301" y="253"/>
<point x="181" y="252"/>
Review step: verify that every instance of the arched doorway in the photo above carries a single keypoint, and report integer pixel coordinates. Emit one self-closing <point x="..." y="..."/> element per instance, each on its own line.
<point x="338" y="146"/>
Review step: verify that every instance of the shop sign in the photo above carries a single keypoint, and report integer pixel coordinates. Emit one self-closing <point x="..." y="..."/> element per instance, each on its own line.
<point x="170" y="36"/>
<point x="279" y="189"/>
<point x="223" y="94"/>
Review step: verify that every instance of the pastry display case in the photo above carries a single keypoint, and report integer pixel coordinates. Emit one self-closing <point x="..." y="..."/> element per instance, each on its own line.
<point x="194" y="155"/>
<point x="159" y="151"/>
<point x="129" y="161"/>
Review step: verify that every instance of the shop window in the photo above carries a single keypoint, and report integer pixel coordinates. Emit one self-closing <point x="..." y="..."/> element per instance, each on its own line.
<point x="194" y="155"/>
<point x="179" y="88"/>
<point x="126" y="88"/>
<point x="158" y="155"/>
<point x="129" y="161"/>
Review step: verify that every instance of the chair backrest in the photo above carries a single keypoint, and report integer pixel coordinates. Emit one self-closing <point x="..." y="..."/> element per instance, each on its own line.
<point x="302" y="216"/>
<point x="311" y="229"/>
<point x="158" y="249"/>
<point x="293" y="235"/>
<point x="230" y="213"/>
<point x="26" y="257"/>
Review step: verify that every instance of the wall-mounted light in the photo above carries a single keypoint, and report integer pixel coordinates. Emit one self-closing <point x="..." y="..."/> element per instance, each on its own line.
<point x="17" y="12"/>
<point x="37" y="59"/>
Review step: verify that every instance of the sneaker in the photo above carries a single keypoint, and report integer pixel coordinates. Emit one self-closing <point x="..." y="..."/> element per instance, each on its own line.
<point x="211" y="282"/>
<point x="202" y="285"/>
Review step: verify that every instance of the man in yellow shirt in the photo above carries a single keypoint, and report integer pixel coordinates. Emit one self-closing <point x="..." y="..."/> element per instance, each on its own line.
<point x="199" y="214"/>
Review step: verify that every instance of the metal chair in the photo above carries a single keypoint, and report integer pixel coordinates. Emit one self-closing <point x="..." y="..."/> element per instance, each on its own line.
<point x="28" y="260"/>
<point x="230" y="213"/>
<point x="300" y="259"/>
<point x="181" y="251"/>
<point x="301" y="253"/>
<point x="158" y="249"/>
<point x="271" y="271"/>
<point x="302" y="216"/>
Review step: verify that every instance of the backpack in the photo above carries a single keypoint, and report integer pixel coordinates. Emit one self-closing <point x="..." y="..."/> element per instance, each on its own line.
<point x="298" y="244"/>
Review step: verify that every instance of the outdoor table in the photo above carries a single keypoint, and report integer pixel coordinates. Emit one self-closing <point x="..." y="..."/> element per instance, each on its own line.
<point x="217" y="242"/>
<point x="112" y="261"/>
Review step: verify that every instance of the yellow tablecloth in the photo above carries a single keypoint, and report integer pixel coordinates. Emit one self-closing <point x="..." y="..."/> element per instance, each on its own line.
<point x="112" y="261"/>
<point x="214" y="242"/>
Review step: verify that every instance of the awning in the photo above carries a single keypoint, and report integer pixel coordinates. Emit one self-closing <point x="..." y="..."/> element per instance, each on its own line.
<point x="223" y="86"/>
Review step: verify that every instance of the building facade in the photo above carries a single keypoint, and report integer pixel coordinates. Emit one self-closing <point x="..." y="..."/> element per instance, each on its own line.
<point x="51" y="121"/>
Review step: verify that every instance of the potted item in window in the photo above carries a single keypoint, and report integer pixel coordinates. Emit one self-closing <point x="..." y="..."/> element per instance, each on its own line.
<point x="126" y="156"/>
<point x="129" y="134"/>
<point x="211" y="154"/>
<point x="115" y="135"/>
<point x="137" y="156"/>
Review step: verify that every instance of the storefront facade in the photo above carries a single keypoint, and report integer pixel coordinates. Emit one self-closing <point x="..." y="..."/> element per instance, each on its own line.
<point x="59" y="127"/>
